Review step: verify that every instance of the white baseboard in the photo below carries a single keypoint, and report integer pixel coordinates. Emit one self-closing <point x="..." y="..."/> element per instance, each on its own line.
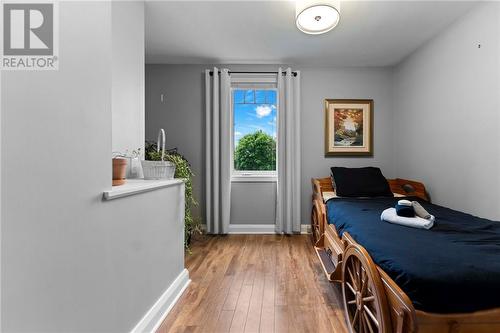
<point x="258" y="228"/>
<point x="251" y="229"/>
<point x="305" y="229"/>
<point x="155" y="316"/>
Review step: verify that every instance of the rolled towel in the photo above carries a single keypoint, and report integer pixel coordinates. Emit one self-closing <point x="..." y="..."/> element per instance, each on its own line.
<point x="406" y="211"/>
<point x="389" y="215"/>
<point x="420" y="211"/>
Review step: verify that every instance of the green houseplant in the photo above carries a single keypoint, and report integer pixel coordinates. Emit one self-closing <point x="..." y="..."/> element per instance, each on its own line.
<point x="182" y="170"/>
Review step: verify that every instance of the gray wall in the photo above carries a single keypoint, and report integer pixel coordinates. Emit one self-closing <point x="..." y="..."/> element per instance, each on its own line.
<point x="68" y="260"/>
<point x="447" y="114"/>
<point x="182" y="115"/>
<point x="127" y="101"/>
<point x="253" y="203"/>
<point x="321" y="83"/>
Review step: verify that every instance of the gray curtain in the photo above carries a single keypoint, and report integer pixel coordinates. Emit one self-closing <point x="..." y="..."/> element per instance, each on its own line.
<point x="288" y="163"/>
<point x="218" y="150"/>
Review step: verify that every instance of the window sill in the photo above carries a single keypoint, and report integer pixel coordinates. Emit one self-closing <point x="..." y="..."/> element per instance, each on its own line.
<point x="136" y="186"/>
<point x="254" y="179"/>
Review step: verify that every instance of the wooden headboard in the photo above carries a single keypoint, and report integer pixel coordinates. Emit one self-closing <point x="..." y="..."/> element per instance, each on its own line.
<point x="408" y="187"/>
<point x="398" y="185"/>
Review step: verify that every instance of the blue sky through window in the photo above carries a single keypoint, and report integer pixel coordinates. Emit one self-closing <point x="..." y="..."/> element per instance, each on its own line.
<point x="254" y="110"/>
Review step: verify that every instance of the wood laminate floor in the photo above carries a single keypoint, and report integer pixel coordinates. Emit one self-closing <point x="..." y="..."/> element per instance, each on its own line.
<point x="256" y="283"/>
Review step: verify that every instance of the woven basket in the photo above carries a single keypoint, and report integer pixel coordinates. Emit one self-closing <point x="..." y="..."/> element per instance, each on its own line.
<point x="159" y="169"/>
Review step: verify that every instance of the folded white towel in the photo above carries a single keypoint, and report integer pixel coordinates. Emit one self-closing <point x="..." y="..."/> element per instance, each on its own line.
<point x="389" y="215"/>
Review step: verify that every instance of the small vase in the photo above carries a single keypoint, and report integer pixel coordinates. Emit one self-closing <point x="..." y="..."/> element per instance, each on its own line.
<point x="134" y="168"/>
<point x="119" y="171"/>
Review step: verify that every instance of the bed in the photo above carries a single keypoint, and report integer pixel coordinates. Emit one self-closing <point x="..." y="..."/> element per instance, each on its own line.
<point x="400" y="279"/>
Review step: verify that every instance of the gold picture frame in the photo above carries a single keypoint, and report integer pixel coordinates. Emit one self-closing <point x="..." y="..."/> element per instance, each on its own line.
<point x="348" y="127"/>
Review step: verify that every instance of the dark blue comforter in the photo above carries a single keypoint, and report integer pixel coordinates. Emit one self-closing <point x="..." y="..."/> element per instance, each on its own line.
<point x="453" y="267"/>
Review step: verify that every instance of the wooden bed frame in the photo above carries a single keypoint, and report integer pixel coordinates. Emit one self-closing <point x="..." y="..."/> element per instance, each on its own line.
<point x="373" y="302"/>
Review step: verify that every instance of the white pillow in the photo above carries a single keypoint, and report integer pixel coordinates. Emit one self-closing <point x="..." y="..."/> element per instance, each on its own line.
<point x="329" y="195"/>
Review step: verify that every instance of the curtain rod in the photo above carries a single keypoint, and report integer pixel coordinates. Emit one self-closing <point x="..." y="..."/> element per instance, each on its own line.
<point x="231" y="72"/>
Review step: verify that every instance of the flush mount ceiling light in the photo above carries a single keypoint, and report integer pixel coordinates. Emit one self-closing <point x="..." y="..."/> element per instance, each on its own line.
<point x="317" y="16"/>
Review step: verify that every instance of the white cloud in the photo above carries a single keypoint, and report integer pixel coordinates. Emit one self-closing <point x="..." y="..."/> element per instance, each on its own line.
<point x="238" y="133"/>
<point x="263" y="111"/>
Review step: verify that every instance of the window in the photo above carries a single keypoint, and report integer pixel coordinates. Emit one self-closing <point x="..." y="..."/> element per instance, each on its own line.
<point x="254" y="131"/>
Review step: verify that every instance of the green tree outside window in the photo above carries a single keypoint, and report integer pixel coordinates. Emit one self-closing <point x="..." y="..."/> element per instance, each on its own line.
<point x="256" y="152"/>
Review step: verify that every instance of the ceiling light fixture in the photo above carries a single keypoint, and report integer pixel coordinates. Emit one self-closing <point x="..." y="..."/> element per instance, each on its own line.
<point x="317" y="16"/>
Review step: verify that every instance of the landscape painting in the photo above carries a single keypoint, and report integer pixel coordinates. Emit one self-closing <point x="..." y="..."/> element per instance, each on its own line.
<point x="348" y="127"/>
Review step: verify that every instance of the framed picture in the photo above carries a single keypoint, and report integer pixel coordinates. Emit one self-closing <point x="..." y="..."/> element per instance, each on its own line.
<point x="348" y="127"/>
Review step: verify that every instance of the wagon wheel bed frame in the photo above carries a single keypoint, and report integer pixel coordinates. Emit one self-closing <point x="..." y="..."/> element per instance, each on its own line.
<point x="373" y="302"/>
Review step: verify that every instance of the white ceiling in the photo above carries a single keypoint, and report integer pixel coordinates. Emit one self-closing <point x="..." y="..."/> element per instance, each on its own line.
<point x="370" y="33"/>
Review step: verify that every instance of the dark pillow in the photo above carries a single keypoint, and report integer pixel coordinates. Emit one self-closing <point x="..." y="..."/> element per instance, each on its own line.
<point x="360" y="182"/>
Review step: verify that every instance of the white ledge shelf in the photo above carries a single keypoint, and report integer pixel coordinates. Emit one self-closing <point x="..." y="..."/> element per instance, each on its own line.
<point x="136" y="186"/>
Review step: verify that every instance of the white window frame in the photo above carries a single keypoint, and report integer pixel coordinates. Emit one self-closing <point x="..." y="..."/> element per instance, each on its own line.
<point x="253" y="175"/>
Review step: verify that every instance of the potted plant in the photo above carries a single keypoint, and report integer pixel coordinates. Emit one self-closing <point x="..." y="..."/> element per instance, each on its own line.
<point x="182" y="170"/>
<point x="119" y="170"/>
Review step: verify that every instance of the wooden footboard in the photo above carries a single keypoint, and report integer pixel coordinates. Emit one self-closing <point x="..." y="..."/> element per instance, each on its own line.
<point x="318" y="214"/>
<point x="330" y="254"/>
<point x="394" y="311"/>
<point x="328" y="247"/>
